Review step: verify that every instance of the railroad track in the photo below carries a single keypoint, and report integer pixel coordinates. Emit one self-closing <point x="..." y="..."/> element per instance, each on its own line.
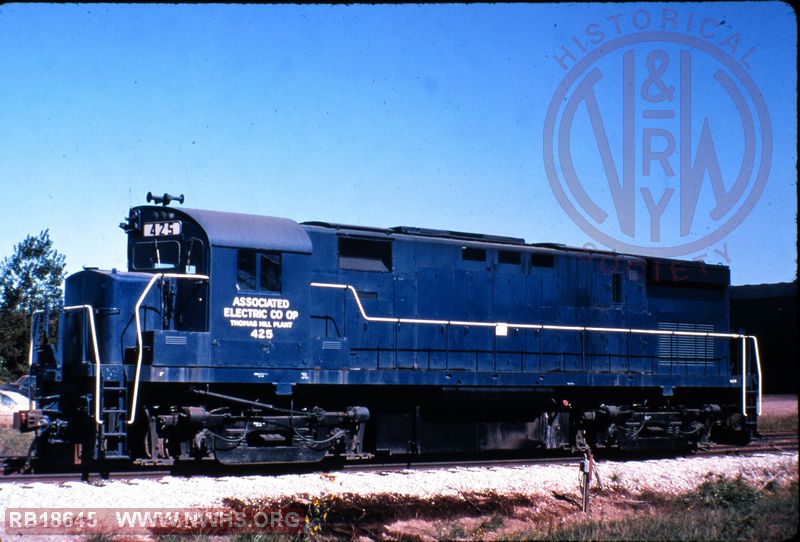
<point x="772" y="442"/>
<point x="768" y="442"/>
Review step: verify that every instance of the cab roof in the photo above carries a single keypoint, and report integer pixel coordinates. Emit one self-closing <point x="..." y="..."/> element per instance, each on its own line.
<point x="250" y="231"/>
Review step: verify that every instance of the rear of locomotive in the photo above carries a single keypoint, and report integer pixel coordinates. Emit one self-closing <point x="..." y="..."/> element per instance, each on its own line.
<point x="703" y="381"/>
<point x="155" y="363"/>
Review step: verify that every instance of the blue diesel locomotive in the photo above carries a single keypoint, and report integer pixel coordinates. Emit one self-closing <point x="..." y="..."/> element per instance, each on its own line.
<point x="253" y="339"/>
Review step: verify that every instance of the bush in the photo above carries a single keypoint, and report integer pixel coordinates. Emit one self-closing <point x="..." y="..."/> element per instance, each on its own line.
<point x="726" y="493"/>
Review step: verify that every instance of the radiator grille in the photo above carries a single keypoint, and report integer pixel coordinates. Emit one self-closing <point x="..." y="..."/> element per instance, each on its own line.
<point x="175" y="339"/>
<point x="678" y="347"/>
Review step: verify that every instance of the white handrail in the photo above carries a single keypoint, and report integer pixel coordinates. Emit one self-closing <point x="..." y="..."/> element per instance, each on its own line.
<point x="139" y="342"/>
<point x="744" y="376"/>
<point x="551" y="327"/>
<point x="758" y="372"/>
<point x="504" y="325"/>
<point x="97" y="371"/>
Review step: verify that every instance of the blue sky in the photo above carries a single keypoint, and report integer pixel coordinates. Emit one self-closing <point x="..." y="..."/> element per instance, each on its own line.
<point x="428" y="116"/>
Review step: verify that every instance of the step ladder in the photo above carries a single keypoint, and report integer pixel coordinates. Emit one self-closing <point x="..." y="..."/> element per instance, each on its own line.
<point x="751" y="420"/>
<point x="112" y="435"/>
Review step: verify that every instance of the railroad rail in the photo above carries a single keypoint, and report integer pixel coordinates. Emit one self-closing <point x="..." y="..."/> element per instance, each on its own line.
<point x="770" y="442"/>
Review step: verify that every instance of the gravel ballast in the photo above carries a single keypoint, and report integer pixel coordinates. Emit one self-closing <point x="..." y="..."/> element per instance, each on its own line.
<point x="671" y="476"/>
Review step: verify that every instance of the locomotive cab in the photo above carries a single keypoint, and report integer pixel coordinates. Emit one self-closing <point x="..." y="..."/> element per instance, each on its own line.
<point x="256" y="269"/>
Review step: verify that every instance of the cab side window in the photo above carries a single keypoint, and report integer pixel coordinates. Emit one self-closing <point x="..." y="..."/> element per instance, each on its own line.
<point x="258" y="271"/>
<point x="269" y="273"/>
<point x="246" y="270"/>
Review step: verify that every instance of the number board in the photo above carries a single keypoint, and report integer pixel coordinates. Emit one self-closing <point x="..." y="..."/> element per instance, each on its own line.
<point x="161" y="229"/>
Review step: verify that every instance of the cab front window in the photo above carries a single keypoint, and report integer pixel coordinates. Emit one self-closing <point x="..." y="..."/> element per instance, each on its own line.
<point x="156" y="255"/>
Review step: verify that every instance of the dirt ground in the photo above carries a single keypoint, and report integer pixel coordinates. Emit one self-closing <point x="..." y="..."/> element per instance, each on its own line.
<point x="779" y="405"/>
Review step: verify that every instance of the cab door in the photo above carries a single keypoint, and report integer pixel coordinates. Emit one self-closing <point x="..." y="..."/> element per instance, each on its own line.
<point x="191" y="297"/>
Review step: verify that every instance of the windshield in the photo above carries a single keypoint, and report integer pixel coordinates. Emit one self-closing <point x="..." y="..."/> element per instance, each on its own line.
<point x="156" y="255"/>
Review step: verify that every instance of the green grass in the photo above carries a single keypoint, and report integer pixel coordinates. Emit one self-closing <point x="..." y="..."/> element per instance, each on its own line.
<point x="719" y="510"/>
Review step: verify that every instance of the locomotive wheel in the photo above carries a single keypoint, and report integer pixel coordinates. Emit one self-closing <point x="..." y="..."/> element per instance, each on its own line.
<point x="162" y="451"/>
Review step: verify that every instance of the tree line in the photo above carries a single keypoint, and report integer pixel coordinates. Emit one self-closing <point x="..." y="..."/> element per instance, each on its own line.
<point x="31" y="279"/>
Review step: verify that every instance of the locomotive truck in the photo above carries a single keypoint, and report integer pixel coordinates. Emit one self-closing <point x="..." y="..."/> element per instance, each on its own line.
<point x="253" y="339"/>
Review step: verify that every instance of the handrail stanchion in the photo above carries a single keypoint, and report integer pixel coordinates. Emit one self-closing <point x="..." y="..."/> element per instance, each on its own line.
<point x="744" y="376"/>
<point x="97" y="367"/>
<point x="758" y="372"/>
